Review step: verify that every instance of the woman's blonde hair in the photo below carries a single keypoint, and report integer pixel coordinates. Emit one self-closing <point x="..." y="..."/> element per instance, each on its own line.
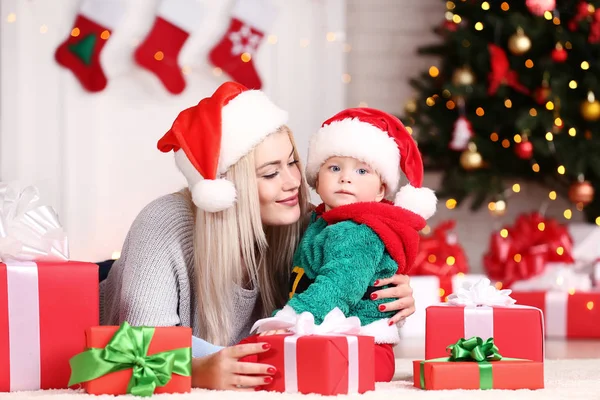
<point x="232" y="246"/>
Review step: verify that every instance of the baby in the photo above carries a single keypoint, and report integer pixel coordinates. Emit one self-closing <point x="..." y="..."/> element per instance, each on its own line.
<point x="356" y="236"/>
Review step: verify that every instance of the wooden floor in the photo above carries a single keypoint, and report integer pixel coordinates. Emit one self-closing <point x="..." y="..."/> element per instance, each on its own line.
<point x="414" y="348"/>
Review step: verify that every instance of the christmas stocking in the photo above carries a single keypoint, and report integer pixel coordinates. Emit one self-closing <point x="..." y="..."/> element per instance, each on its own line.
<point x="81" y="51"/>
<point x="250" y="19"/>
<point x="174" y="22"/>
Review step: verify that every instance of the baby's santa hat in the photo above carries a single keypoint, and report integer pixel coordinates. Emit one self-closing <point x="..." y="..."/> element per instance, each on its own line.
<point x="380" y="140"/>
<point x="215" y="134"/>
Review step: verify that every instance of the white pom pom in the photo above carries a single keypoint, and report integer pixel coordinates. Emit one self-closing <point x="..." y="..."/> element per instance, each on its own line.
<point x="421" y="201"/>
<point x="214" y="195"/>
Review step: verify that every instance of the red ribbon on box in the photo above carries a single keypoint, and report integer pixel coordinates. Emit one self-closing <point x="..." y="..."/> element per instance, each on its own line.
<point x="530" y="243"/>
<point x="434" y="251"/>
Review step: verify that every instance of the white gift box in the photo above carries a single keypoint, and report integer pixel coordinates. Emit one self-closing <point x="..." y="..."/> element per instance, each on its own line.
<point x="426" y="291"/>
<point x="586" y="250"/>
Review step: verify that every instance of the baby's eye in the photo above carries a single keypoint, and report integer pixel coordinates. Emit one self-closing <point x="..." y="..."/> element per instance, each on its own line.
<point x="334" y="168"/>
<point x="362" y="171"/>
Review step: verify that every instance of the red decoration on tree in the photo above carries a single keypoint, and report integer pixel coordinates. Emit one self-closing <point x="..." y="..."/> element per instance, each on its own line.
<point x="541" y="94"/>
<point x="594" y="37"/>
<point x="501" y="73"/>
<point x="584" y="11"/>
<point x="559" y="54"/>
<point x="450" y="26"/>
<point x="462" y="133"/>
<point x="538" y="7"/>
<point x="524" y="150"/>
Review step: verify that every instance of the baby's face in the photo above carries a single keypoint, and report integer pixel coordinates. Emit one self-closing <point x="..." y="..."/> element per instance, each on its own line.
<point x="346" y="180"/>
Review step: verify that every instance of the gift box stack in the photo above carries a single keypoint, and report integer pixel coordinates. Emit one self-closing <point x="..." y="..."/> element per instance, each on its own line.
<point x="47" y="303"/>
<point x="440" y="268"/>
<point x="471" y="343"/>
<point x="552" y="267"/>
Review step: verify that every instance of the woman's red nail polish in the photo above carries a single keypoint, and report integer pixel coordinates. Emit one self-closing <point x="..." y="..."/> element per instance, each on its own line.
<point x="381" y="307"/>
<point x="376" y="282"/>
<point x="271" y="370"/>
<point x="268" y="379"/>
<point x="266" y="346"/>
<point x="391" y="323"/>
<point x="373" y="296"/>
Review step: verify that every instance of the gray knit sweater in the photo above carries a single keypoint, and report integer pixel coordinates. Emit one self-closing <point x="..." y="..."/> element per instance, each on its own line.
<point x="152" y="283"/>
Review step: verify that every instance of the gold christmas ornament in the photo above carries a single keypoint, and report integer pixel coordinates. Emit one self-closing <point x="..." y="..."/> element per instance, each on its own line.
<point x="410" y="106"/>
<point x="590" y="109"/>
<point x="463" y="76"/>
<point x="519" y="43"/>
<point x="470" y="159"/>
<point x="581" y="192"/>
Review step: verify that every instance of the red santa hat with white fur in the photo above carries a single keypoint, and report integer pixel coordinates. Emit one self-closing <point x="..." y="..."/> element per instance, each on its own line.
<point x="380" y="140"/>
<point x="211" y="136"/>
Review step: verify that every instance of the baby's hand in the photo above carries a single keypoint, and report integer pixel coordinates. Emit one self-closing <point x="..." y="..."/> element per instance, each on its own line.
<point x="274" y="332"/>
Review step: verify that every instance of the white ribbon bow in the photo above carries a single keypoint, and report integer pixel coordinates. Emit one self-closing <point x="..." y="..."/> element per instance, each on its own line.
<point x="29" y="232"/>
<point x="558" y="278"/>
<point x="335" y="322"/>
<point x="482" y="293"/>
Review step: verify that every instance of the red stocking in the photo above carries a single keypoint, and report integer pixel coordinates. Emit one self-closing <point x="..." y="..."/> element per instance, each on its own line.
<point x="80" y="52"/>
<point x="250" y="19"/>
<point x="159" y="52"/>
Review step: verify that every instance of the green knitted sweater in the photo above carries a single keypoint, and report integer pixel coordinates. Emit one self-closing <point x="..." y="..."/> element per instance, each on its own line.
<point x="343" y="259"/>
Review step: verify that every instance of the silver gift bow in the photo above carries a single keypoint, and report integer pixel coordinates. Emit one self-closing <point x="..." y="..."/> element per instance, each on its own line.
<point x="28" y="231"/>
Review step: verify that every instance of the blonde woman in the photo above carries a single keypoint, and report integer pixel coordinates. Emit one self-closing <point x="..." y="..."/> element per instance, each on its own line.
<point x="217" y="255"/>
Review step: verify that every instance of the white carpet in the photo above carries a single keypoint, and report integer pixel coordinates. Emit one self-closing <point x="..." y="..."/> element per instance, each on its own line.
<point x="564" y="379"/>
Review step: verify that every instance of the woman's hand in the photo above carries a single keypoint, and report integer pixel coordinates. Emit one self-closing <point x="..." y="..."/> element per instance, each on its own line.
<point x="224" y="371"/>
<point x="404" y="301"/>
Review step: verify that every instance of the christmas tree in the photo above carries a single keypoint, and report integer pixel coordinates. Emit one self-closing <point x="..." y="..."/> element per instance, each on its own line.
<point x="513" y="94"/>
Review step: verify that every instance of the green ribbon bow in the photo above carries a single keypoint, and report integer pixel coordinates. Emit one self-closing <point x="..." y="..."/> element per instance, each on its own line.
<point x="471" y="350"/>
<point x="474" y="349"/>
<point x="127" y="349"/>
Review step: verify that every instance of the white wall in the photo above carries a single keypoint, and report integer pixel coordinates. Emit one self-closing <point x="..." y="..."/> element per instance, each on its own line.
<point x="94" y="156"/>
<point x="384" y="35"/>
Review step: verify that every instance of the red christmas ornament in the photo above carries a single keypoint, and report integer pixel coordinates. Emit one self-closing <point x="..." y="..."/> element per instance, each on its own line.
<point x="539" y="7"/>
<point x="580" y="15"/>
<point x="584" y="12"/>
<point x="450" y="26"/>
<point x="541" y="94"/>
<point x="559" y="54"/>
<point x="524" y="150"/>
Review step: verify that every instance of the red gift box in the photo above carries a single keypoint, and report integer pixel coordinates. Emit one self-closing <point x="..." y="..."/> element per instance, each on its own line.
<point x="566" y="315"/>
<point x="320" y="364"/>
<point x="44" y="311"/>
<point x="431" y="290"/>
<point x="164" y="339"/>
<point x="506" y="374"/>
<point x="448" y="323"/>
